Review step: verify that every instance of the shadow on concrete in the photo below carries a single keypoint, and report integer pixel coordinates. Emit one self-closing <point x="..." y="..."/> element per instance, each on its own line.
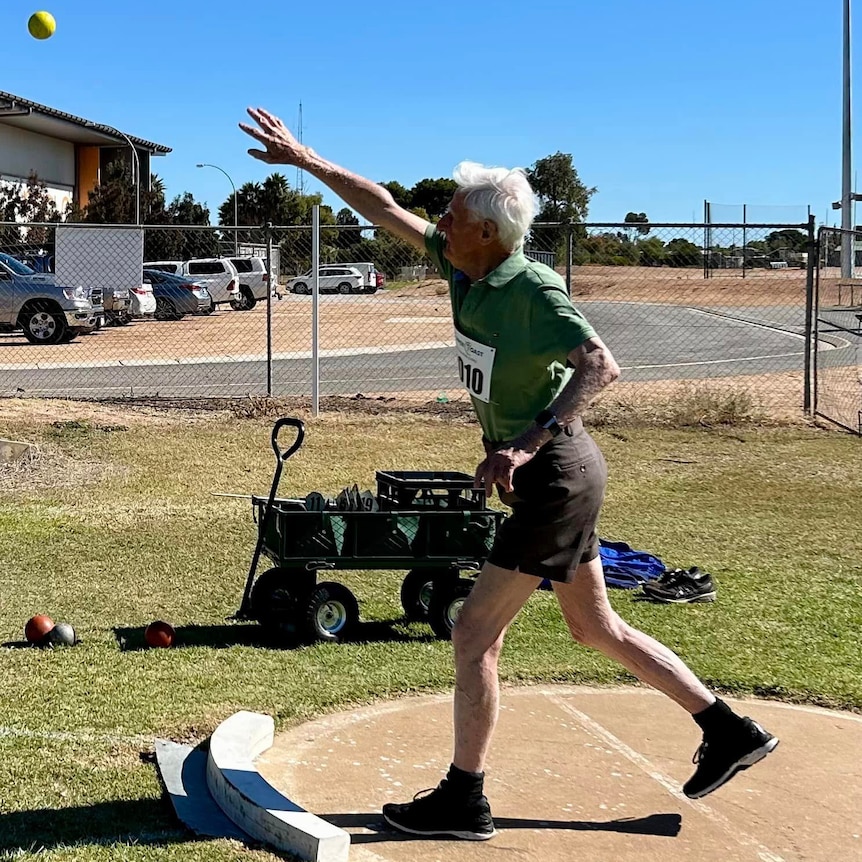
<point x="661" y="825"/>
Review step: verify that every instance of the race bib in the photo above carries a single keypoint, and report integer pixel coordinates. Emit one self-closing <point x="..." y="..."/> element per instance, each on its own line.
<point x="475" y="366"/>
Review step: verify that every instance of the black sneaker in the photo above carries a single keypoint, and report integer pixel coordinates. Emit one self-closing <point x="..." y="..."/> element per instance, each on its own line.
<point x="719" y="758"/>
<point x="681" y="586"/>
<point x="441" y="813"/>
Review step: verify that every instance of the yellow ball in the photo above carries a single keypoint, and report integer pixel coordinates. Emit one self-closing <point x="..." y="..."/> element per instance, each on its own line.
<point x="41" y="25"/>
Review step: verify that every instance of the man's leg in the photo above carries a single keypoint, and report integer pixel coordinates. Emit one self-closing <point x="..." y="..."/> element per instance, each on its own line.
<point x="731" y="743"/>
<point x="477" y="638"/>
<point x="594" y="623"/>
<point x="458" y="806"/>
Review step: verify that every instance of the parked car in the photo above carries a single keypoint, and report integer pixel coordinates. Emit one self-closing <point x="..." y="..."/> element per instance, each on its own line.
<point x="47" y="313"/>
<point x="371" y="278"/>
<point x="253" y="282"/>
<point x="333" y="279"/>
<point x="143" y="302"/>
<point x="217" y="274"/>
<point x="176" y="296"/>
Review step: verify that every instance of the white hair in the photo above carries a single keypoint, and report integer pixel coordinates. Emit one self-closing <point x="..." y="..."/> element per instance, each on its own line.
<point x="501" y="195"/>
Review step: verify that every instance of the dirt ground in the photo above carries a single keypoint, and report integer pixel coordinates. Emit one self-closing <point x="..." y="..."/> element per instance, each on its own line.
<point x="676" y="286"/>
<point x="410" y="316"/>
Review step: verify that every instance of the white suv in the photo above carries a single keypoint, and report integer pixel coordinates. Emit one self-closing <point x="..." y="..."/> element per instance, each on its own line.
<point x="217" y="274"/>
<point x="334" y="278"/>
<point x="253" y="281"/>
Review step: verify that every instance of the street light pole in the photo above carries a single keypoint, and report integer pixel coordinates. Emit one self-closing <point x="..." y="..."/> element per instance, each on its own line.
<point x="848" y="241"/>
<point x="235" y="221"/>
<point x="136" y="168"/>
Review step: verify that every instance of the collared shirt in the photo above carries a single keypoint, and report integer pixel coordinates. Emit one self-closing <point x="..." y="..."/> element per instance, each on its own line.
<point x="514" y="330"/>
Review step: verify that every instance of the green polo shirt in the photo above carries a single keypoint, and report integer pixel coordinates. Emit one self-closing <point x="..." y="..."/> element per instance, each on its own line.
<point x="513" y="331"/>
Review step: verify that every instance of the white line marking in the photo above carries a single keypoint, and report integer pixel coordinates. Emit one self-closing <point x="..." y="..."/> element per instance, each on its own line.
<point x="596" y="730"/>
<point x="418" y="320"/>
<point x="219" y="360"/>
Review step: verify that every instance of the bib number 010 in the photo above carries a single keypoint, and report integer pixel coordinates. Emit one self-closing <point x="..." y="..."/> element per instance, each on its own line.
<point x="471" y="377"/>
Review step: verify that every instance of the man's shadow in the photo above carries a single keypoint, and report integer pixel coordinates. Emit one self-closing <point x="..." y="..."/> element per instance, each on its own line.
<point x="658" y="825"/>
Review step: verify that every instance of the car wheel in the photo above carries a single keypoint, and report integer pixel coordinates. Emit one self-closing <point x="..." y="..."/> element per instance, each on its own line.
<point x="211" y="309"/>
<point x="447" y="599"/>
<point x="44" y="326"/>
<point x="345" y="287"/>
<point x="301" y="287"/>
<point x="330" y="614"/>
<point x="246" y="300"/>
<point x="165" y="309"/>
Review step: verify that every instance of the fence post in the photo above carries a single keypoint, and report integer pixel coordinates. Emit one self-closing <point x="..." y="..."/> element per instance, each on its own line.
<point x="570" y="242"/>
<point x="268" y="230"/>
<point x="810" y="345"/>
<point x="315" y="310"/>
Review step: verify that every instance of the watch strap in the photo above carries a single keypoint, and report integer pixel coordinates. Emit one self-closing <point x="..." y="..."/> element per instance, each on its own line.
<point x="547" y="420"/>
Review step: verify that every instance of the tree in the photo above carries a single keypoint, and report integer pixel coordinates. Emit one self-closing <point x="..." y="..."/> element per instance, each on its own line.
<point x="347" y="237"/>
<point x="27" y="202"/>
<point x="793" y="240"/>
<point x="651" y="251"/>
<point x="680" y="252"/>
<point x="562" y="196"/>
<point x="433" y="196"/>
<point x="398" y="192"/>
<point x="639" y="219"/>
<point x="112" y="201"/>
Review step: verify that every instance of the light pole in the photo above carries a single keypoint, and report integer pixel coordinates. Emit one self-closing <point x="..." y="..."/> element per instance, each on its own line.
<point x="848" y="242"/>
<point x="136" y="167"/>
<point x="235" y="222"/>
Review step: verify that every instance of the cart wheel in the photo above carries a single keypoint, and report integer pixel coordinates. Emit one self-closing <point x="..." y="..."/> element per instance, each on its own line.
<point x="274" y="605"/>
<point x="331" y="613"/>
<point x="416" y="592"/>
<point x="447" y="599"/>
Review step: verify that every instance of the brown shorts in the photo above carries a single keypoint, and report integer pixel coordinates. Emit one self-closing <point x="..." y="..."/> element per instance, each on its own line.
<point x="555" y="509"/>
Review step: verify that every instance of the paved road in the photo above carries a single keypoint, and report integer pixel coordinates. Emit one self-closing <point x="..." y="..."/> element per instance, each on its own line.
<point x="651" y="342"/>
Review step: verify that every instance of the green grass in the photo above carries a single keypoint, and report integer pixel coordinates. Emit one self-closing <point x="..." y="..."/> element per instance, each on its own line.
<point x="114" y="524"/>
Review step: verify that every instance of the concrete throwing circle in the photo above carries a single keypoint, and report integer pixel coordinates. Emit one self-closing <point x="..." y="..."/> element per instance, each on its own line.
<point x="584" y="773"/>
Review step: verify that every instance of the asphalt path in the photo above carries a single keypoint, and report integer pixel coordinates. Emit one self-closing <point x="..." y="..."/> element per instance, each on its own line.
<point x="650" y="341"/>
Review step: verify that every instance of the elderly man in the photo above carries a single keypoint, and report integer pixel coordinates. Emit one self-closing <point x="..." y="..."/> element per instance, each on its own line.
<point x="531" y="364"/>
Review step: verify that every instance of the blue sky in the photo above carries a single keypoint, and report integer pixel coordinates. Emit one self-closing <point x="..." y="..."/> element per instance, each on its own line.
<point x="662" y="103"/>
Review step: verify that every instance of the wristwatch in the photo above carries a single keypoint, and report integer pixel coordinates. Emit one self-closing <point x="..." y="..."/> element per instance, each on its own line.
<point x="548" y="421"/>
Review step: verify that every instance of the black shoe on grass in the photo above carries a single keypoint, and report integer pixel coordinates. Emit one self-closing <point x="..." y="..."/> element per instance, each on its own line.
<point x="442" y="813"/>
<point x="681" y="586"/>
<point x="720" y="757"/>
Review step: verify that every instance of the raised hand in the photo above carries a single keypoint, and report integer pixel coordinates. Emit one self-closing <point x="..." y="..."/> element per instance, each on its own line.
<point x="282" y="148"/>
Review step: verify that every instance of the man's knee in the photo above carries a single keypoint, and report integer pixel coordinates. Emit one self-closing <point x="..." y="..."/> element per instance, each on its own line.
<point x="597" y="631"/>
<point x="473" y="642"/>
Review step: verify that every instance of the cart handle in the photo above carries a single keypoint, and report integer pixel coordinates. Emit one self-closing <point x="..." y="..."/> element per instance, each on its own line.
<point x="283" y="454"/>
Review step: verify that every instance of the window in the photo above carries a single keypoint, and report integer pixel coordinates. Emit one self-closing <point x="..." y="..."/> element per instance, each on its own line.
<point x="206" y="267"/>
<point x="242" y="264"/>
<point x="163" y="267"/>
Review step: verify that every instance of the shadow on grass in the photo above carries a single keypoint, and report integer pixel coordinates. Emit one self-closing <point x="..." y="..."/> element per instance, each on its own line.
<point x="138" y="821"/>
<point x="660" y="825"/>
<point x="131" y="639"/>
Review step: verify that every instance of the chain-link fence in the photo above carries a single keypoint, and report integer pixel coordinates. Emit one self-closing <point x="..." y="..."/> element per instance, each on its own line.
<point x="838" y="327"/>
<point x="231" y="311"/>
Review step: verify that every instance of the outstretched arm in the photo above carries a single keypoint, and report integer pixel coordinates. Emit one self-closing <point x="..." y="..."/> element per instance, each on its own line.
<point x="373" y="201"/>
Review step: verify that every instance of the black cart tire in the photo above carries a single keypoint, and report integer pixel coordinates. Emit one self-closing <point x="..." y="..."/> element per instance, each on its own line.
<point x="447" y="599"/>
<point x="330" y="613"/>
<point x="416" y="591"/>
<point x="275" y="604"/>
